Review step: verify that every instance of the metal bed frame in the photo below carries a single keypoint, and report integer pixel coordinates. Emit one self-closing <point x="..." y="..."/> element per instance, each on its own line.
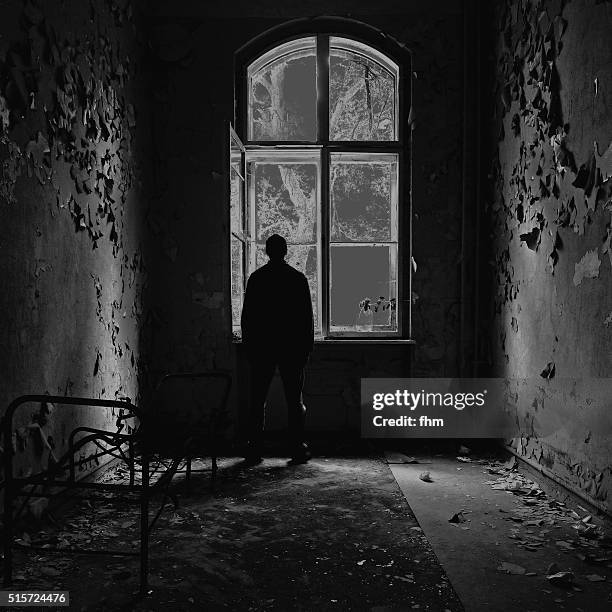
<point x="134" y="449"/>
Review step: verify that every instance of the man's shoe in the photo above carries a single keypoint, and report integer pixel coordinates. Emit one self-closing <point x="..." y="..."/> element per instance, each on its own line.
<point x="302" y="456"/>
<point x="251" y="460"/>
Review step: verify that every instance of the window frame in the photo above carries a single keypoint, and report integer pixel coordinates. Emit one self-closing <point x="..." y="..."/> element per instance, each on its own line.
<point x="235" y="148"/>
<point x="389" y="50"/>
<point x="326" y="209"/>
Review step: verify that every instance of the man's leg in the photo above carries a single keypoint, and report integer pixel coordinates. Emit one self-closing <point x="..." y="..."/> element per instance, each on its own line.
<point x="293" y="383"/>
<point x="260" y="377"/>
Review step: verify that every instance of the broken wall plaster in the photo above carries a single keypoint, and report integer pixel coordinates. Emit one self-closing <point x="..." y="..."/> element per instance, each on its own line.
<point x="69" y="92"/>
<point x="549" y="188"/>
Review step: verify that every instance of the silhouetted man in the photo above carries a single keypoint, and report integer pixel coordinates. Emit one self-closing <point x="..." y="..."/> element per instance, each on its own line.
<point x="277" y="330"/>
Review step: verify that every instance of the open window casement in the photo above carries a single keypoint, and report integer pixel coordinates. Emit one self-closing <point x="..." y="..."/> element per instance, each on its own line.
<point x="325" y="153"/>
<point x="239" y="235"/>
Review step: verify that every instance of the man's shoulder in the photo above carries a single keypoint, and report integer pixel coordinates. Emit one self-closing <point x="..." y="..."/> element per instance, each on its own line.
<point x="277" y="274"/>
<point x="294" y="277"/>
<point x="260" y="273"/>
<point x="295" y="272"/>
<point x="257" y="272"/>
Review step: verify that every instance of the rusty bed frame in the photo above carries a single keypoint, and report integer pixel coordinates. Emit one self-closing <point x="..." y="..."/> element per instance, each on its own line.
<point x="133" y="449"/>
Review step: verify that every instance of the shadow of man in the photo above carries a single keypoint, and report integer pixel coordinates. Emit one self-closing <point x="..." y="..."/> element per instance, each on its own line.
<point x="277" y="330"/>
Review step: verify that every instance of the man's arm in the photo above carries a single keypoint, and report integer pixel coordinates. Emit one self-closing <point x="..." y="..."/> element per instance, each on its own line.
<point x="308" y="318"/>
<point x="247" y="313"/>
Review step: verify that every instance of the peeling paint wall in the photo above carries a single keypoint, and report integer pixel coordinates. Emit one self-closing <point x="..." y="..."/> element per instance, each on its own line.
<point x="72" y="181"/>
<point x="195" y="96"/>
<point x="549" y="204"/>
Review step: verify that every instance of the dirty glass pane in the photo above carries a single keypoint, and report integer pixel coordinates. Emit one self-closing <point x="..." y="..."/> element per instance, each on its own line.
<point x="284" y="197"/>
<point x="283" y="93"/>
<point x="363" y="198"/>
<point x="362" y="93"/>
<point x="363" y="290"/>
<point x="286" y="201"/>
<point x="237" y="280"/>
<point x="236" y="202"/>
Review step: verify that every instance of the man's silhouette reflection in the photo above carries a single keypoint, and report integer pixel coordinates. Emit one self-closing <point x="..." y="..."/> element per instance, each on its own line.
<point x="277" y="330"/>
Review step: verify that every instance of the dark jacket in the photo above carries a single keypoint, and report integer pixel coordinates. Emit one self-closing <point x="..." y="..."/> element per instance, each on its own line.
<point x="277" y="322"/>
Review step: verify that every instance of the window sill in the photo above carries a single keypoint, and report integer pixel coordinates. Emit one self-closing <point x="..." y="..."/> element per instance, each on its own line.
<point x="364" y="341"/>
<point x="360" y="341"/>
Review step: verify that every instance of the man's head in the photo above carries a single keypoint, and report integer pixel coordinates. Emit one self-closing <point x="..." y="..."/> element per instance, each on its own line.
<point x="276" y="247"/>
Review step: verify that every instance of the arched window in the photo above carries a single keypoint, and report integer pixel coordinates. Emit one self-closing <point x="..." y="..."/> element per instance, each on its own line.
<point x="324" y="159"/>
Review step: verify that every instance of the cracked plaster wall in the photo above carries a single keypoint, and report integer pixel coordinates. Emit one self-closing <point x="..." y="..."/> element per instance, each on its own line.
<point x="549" y="205"/>
<point x="72" y="181"/>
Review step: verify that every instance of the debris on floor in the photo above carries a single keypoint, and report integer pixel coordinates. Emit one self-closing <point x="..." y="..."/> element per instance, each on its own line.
<point x="392" y="457"/>
<point x="561" y="578"/>
<point x="457" y="517"/>
<point x="517" y="535"/>
<point x="541" y="512"/>
<point x="511" y="568"/>
<point x="536" y="520"/>
<point x="332" y="534"/>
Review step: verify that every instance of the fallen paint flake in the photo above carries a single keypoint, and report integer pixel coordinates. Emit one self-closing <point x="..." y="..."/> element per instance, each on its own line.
<point x="393" y="457"/>
<point x="561" y="578"/>
<point x="507" y="486"/>
<point x="511" y="568"/>
<point x="595" y="578"/>
<point x="511" y="464"/>
<point x="457" y="518"/>
<point x="587" y="267"/>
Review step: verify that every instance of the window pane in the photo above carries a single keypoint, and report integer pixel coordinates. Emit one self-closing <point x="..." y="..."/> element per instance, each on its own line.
<point x="236" y="202"/>
<point x="286" y="201"/>
<point x="237" y="281"/>
<point x="363" y="198"/>
<point x="362" y="92"/>
<point x="363" y="289"/>
<point x="237" y="208"/>
<point x="283" y="93"/>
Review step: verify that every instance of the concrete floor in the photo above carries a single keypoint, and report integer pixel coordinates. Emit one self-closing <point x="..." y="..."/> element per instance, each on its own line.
<point x="336" y="534"/>
<point x="504" y="527"/>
